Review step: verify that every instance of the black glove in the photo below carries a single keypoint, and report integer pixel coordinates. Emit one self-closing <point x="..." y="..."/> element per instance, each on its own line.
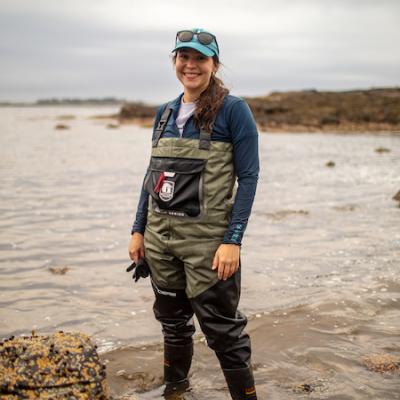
<point x="141" y="269"/>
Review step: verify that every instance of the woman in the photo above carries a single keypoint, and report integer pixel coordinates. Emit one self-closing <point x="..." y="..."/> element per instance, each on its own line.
<point x="190" y="222"/>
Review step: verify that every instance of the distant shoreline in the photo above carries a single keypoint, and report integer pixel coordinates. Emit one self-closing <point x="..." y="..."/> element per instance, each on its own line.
<point x="309" y="111"/>
<point x="83" y="103"/>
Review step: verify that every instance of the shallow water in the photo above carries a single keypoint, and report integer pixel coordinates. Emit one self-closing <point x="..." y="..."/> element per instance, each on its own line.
<point x="323" y="243"/>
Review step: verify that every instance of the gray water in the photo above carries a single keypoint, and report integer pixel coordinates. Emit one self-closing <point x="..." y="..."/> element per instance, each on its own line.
<point x="319" y="237"/>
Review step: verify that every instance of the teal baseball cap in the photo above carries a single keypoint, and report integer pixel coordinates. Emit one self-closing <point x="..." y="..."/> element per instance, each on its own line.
<point x="198" y="39"/>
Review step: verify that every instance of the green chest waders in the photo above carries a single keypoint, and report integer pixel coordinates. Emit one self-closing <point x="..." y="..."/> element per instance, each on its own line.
<point x="190" y="183"/>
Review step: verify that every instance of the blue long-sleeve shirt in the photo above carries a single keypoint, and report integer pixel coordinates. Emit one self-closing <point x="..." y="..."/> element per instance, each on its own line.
<point x="234" y="124"/>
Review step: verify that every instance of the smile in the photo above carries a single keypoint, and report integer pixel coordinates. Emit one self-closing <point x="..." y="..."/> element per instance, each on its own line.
<point x="191" y="74"/>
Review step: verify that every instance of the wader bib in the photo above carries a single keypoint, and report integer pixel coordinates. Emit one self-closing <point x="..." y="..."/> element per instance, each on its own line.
<point x="190" y="182"/>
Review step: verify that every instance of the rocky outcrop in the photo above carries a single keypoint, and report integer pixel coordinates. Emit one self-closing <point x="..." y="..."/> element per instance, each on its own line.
<point x="373" y="110"/>
<point x="136" y="110"/>
<point x="356" y="110"/>
<point x="58" y="366"/>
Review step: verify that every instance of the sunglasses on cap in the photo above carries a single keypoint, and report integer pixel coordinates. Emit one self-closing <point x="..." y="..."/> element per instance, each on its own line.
<point x="204" y="38"/>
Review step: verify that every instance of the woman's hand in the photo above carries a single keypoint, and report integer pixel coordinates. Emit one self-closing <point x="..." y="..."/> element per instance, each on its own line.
<point x="136" y="247"/>
<point x="226" y="259"/>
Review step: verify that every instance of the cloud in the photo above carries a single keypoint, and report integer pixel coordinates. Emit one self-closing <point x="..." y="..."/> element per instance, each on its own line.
<point x="121" y="47"/>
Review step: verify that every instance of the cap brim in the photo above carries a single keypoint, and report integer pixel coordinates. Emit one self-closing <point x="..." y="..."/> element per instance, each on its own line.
<point x="196" y="46"/>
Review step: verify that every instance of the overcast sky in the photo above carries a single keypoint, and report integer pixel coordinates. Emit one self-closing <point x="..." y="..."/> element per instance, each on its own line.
<point x="121" y="48"/>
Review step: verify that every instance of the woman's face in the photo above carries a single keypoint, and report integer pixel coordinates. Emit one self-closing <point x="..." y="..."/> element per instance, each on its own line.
<point x="194" y="69"/>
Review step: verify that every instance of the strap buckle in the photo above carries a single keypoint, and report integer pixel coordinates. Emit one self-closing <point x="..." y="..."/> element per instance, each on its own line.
<point x="161" y="125"/>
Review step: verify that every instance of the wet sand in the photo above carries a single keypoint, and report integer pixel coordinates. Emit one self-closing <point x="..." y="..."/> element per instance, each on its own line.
<point x="318" y="351"/>
<point x="320" y="276"/>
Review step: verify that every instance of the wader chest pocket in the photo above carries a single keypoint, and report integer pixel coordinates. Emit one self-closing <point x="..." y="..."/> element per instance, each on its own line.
<point x="175" y="185"/>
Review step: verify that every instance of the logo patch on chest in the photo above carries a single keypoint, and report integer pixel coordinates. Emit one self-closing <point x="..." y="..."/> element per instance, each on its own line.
<point x="167" y="191"/>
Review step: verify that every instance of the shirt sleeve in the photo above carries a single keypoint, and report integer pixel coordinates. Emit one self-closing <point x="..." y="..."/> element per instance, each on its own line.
<point x="140" y="222"/>
<point x="246" y="163"/>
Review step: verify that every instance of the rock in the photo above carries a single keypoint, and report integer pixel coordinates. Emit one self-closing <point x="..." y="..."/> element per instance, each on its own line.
<point x="318" y="385"/>
<point x="61" y="127"/>
<point x="137" y="110"/>
<point x="330" y="164"/>
<point x="112" y="126"/>
<point x="278" y="215"/>
<point x="58" y="270"/>
<point x="306" y="387"/>
<point x="58" y="366"/>
<point x="371" y="110"/>
<point x="397" y="196"/>
<point x="346" y="207"/>
<point x="382" y="150"/>
<point x="382" y="363"/>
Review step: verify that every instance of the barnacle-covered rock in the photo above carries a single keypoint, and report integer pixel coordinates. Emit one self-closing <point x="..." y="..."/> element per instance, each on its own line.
<point x="59" y="366"/>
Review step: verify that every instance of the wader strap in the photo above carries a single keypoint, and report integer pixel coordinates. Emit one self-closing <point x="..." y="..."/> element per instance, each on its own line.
<point x="162" y="124"/>
<point x="205" y="138"/>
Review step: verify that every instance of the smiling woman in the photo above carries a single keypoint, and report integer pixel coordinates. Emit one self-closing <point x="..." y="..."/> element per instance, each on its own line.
<point x="190" y="222"/>
<point x="194" y="70"/>
<point x="197" y="72"/>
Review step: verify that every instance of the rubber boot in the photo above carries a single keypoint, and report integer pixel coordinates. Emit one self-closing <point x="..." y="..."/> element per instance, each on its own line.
<point x="240" y="383"/>
<point x="177" y="361"/>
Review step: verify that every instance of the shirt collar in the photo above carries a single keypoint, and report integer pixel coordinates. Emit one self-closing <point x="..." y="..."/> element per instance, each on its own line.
<point x="175" y="104"/>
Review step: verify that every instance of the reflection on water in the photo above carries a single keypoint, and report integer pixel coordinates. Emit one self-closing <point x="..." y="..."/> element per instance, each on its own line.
<point x="320" y="257"/>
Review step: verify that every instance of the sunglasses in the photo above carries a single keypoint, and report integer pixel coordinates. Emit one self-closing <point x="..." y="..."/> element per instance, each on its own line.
<point x="205" y="38"/>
